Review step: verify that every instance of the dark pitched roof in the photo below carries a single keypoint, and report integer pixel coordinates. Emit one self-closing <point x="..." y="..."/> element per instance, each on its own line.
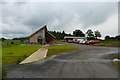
<point x="44" y="27"/>
<point x="50" y="34"/>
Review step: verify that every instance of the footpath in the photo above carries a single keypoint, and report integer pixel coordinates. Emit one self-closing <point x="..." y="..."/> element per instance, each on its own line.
<point x="38" y="55"/>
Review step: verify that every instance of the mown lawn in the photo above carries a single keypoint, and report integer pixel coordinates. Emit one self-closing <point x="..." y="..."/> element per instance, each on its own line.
<point x="56" y="49"/>
<point x="16" y="53"/>
<point x="8" y="43"/>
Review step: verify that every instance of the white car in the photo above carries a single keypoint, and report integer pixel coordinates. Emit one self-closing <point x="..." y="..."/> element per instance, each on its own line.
<point x="82" y="42"/>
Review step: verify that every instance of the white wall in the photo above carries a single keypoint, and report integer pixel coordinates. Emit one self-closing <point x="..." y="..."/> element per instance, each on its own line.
<point x="80" y="39"/>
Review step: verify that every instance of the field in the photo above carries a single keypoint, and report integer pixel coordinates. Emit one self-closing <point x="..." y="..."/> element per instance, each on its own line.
<point x="53" y="50"/>
<point x="13" y="52"/>
<point x="109" y="43"/>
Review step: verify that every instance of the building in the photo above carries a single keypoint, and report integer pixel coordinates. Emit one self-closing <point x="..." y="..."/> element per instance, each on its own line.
<point x="75" y="38"/>
<point x="42" y="36"/>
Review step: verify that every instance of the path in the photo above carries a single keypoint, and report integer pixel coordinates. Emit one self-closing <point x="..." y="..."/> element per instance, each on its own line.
<point x="38" y="55"/>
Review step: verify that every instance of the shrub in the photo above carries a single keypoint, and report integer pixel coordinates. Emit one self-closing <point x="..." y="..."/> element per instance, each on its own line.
<point x="12" y="42"/>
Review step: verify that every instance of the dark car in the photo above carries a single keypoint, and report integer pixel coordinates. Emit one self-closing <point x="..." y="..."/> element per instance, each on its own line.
<point x="76" y="41"/>
<point x="70" y="41"/>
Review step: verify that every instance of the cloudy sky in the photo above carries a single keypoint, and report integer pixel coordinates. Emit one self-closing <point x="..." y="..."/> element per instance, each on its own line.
<point x="20" y="19"/>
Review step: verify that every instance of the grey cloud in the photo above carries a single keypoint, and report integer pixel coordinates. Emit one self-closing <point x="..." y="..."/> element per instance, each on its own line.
<point x="58" y="16"/>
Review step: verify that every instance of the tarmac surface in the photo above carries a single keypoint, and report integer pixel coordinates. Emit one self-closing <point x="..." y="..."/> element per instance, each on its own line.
<point x="87" y="62"/>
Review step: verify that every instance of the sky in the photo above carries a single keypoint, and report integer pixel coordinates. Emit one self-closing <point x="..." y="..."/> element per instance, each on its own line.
<point x="22" y="18"/>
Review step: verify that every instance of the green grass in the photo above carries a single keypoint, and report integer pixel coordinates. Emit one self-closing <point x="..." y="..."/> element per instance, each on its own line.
<point x="117" y="64"/>
<point x="109" y="43"/>
<point x="9" y="43"/>
<point x="16" y="53"/>
<point x="0" y="54"/>
<point x="53" y="50"/>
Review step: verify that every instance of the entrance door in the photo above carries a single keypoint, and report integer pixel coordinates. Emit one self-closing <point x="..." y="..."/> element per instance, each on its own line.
<point x="40" y="41"/>
<point x="47" y="40"/>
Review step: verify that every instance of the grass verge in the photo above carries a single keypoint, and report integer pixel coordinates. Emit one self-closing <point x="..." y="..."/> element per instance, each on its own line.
<point x="17" y="53"/>
<point x="56" y="49"/>
<point x="4" y="74"/>
<point x="117" y="64"/>
<point x="109" y="43"/>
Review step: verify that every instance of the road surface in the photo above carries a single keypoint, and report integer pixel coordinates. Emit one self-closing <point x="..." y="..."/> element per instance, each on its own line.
<point x="87" y="62"/>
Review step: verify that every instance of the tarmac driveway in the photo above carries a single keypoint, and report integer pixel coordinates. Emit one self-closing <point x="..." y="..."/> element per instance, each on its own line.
<point x="87" y="62"/>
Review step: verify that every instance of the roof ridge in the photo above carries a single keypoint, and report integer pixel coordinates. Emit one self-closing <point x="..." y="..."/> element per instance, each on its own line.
<point x="38" y="30"/>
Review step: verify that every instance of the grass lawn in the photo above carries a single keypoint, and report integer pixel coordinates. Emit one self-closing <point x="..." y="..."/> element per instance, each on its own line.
<point x="109" y="43"/>
<point x="53" y="50"/>
<point x="8" y="43"/>
<point x="16" y="53"/>
<point x="117" y="64"/>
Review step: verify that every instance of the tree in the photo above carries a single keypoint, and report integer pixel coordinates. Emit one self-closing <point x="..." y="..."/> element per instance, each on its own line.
<point x="90" y="34"/>
<point x="97" y="34"/>
<point x="117" y="37"/>
<point x="2" y="39"/>
<point x="63" y="34"/>
<point x="78" y="33"/>
<point x="107" y="37"/>
<point x="59" y="35"/>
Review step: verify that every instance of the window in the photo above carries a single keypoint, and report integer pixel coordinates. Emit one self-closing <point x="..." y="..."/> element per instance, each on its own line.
<point x="40" y="34"/>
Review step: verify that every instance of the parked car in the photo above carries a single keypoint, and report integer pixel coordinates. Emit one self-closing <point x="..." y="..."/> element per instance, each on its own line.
<point x="82" y="42"/>
<point x="92" y="42"/>
<point x="76" y="41"/>
<point x="88" y="42"/>
<point x="70" y="41"/>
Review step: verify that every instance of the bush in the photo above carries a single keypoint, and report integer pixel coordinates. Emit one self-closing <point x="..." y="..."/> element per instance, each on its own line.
<point x="12" y="42"/>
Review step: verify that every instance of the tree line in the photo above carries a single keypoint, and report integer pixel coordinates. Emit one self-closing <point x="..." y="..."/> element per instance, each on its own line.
<point x="78" y="33"/>
<point x="59" y="35"/>
<point x="111" y="38"/>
